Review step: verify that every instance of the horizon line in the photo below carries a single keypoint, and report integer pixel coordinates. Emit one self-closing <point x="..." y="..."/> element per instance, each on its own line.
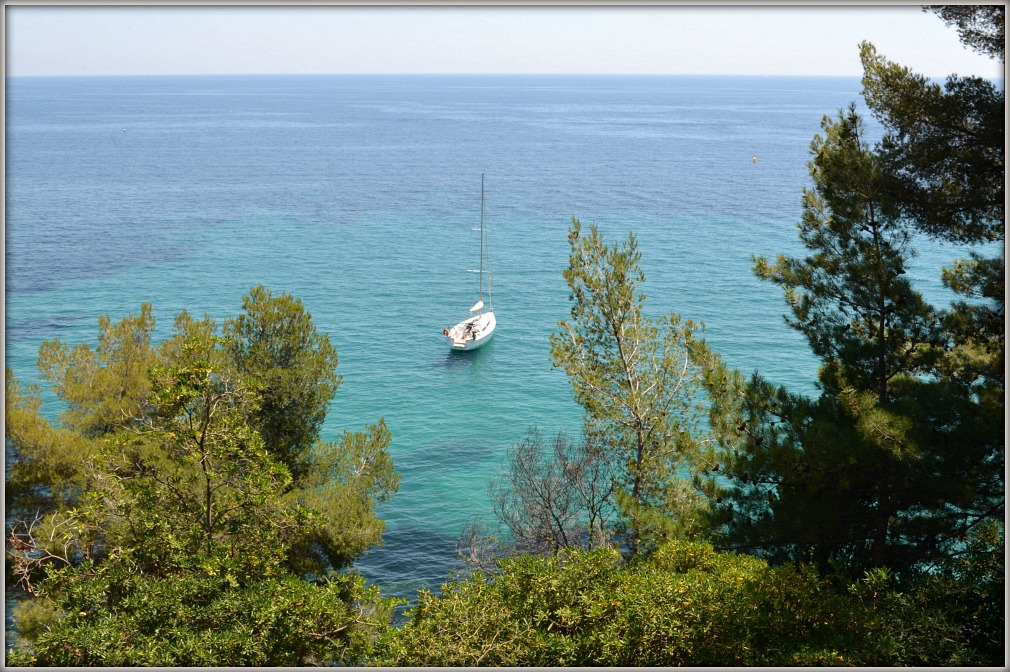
<point x="428" y="74"/>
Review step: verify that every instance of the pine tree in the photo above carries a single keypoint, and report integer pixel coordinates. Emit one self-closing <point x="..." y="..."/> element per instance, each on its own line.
<point x="640" y="384"/>
<point x="890" y="466"/>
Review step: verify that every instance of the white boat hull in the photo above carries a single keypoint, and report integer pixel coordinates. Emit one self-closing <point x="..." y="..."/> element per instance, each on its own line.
<point x="472" y="332"/>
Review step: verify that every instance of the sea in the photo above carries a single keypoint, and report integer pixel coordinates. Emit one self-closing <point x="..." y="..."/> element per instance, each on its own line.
<point x="361" y="196"/>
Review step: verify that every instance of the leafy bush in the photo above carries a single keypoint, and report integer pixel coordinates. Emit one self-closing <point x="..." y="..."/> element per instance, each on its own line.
<point x="954" y="616"/>
<point x="111" y="617"/>
<point x="182" y="508"/>
<point x="684" y="605"/>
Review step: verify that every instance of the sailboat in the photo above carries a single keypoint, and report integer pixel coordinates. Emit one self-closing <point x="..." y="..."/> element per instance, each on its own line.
<point x="477" y="329"/>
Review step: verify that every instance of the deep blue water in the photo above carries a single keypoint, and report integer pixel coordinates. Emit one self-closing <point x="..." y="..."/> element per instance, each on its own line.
<point x="360" y="194"/>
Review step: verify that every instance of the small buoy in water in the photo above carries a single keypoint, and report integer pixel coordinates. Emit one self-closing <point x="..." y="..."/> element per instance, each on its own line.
<point x="124" y="130"/>
<point x="754" y="159"/>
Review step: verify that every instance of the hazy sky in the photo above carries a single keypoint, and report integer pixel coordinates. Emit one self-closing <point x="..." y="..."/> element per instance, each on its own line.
<point x="708" y="39"/>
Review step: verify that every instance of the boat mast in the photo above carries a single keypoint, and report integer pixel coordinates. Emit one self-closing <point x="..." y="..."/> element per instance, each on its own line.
<point x="480" y="282"/>
<point x="487" y="239"/>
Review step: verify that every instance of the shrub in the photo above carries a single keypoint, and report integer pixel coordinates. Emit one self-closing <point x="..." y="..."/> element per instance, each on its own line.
<point x="684" y="605"/>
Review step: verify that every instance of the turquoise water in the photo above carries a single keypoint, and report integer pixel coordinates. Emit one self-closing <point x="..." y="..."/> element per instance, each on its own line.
<point x="360" y="195"/>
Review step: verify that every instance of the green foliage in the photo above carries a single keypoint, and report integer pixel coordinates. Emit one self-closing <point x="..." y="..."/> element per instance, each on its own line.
<point x="980" y="27"/>
<point x="953" y="616"/>
<point x="943" y="148"/>
<point x="944" y="155"/>
<point x="850" y="297"/>
<point x="972" y="592"/>
<point x="116" y="617"/>
<point x="893" y="462"/>
<point x="276" y="347"/>
<point x="344" y="482"/>
<point x="197" y="477"/>
<point x="104" y="389"/>
<point x="158" y="500"/>
<point x="639" y="382"/>
<point x="683" y="605"/>
<point x="53" y="464"/>
<point x="895" y="472"/>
